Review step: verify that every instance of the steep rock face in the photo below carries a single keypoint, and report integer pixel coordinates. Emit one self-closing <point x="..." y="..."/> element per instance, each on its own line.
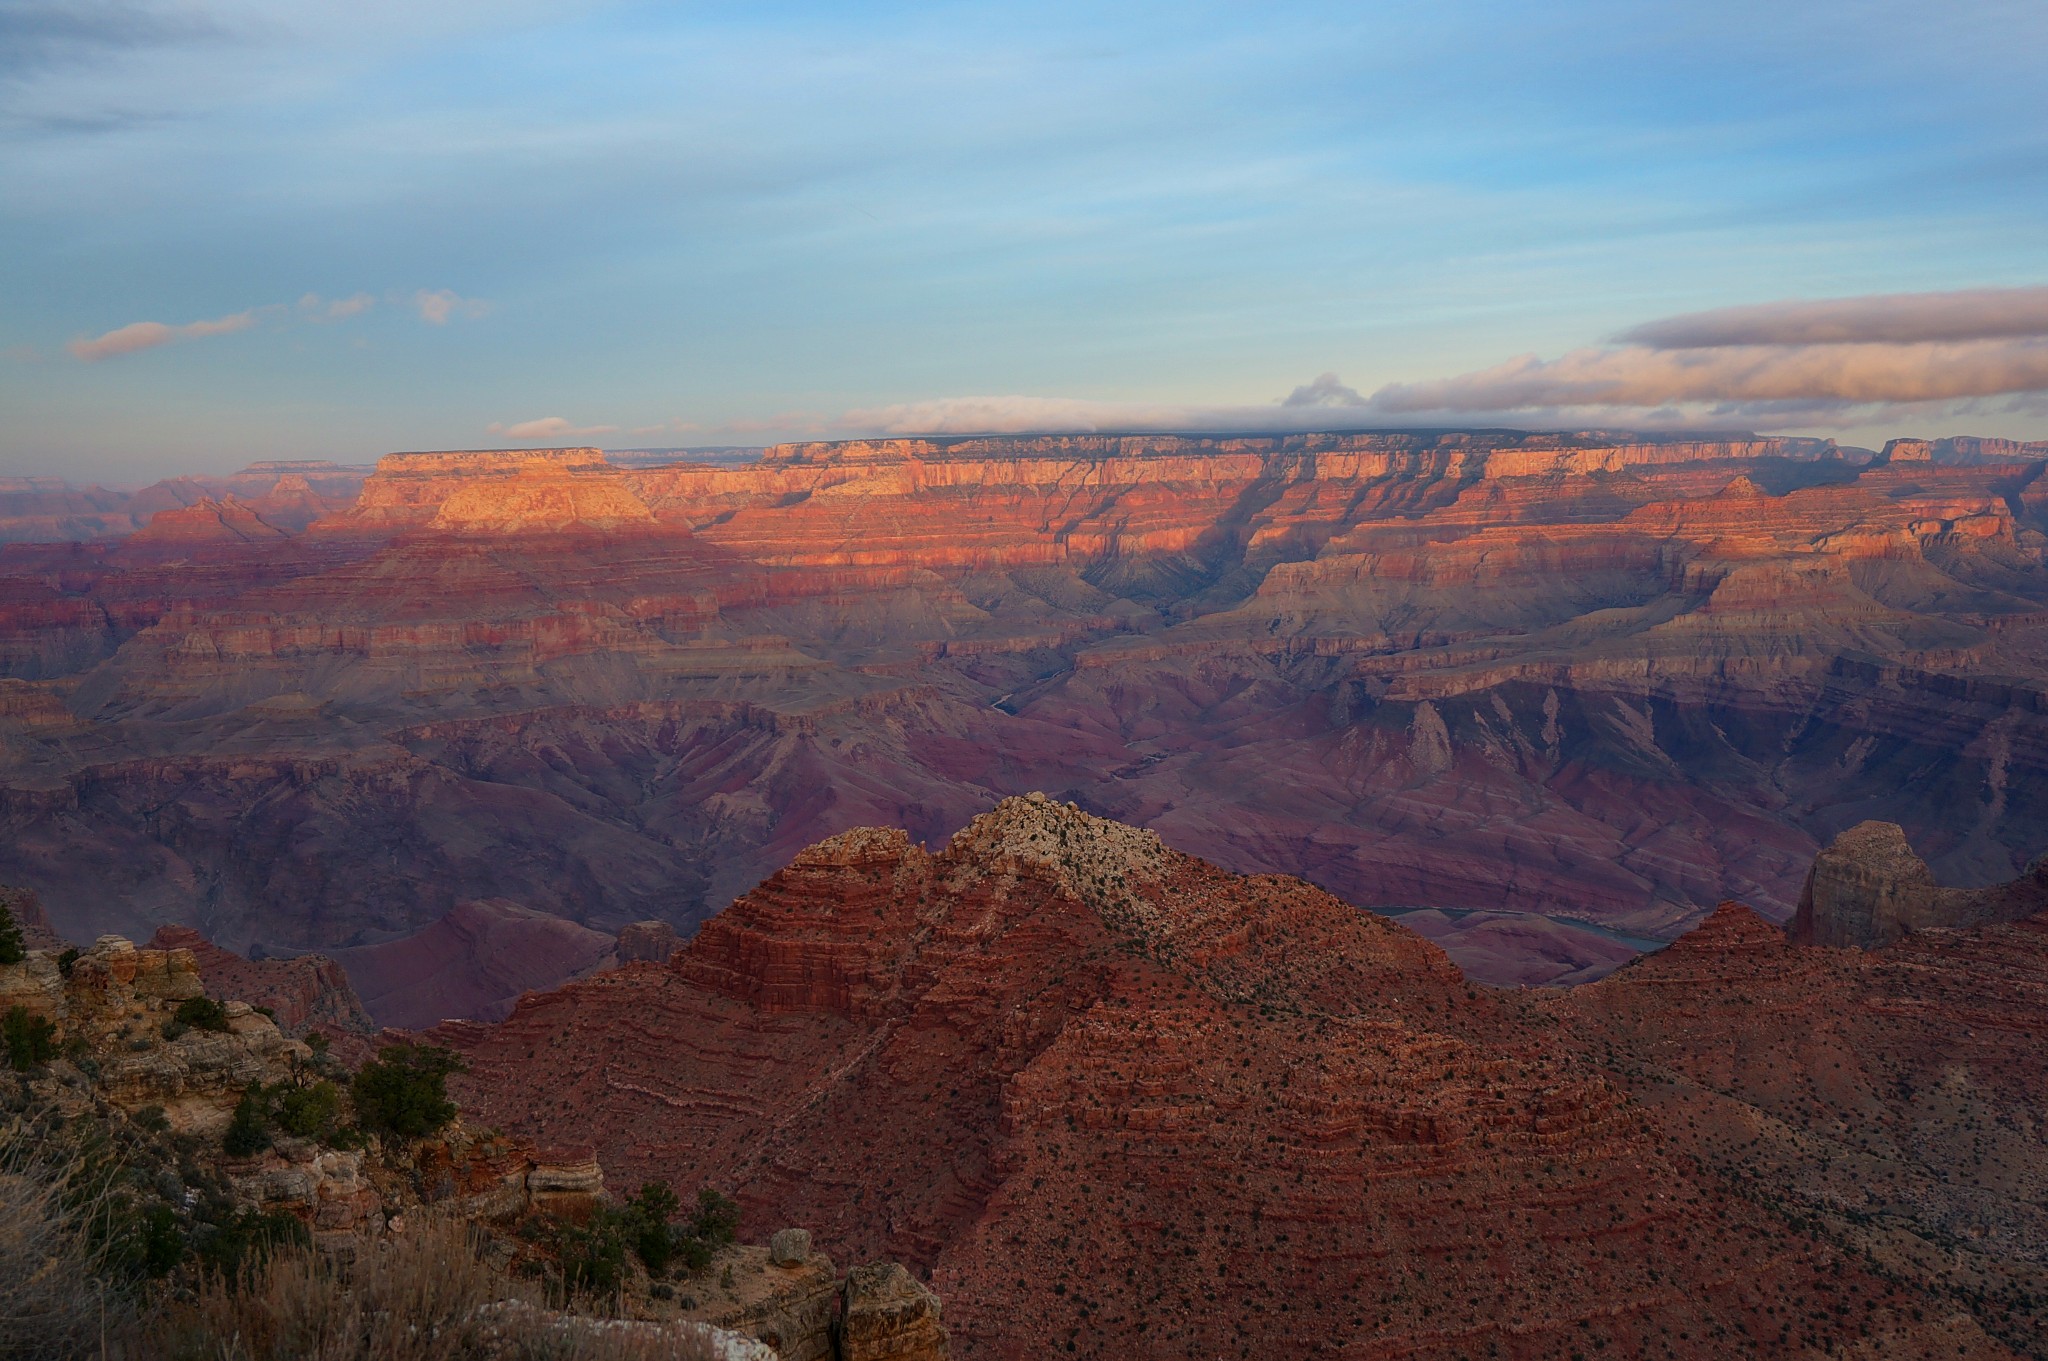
<point x="1893" y="1098"/>
<point x="495" y="491"/>
<point x="1107" y="1095"/>
<point x="1868" y="889"/>
<point x="472" y="964"/>
<point x="1598" y="681"/>
<point x="890" y="1317"/>
<point x="301" y="994"/>
<point x="28" y="914"/>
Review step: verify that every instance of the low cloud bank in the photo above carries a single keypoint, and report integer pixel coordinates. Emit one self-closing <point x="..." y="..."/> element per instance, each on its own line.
<point x="1831" y="362"/>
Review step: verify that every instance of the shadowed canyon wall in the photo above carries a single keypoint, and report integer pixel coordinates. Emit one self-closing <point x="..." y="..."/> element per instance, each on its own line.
<point x="1601" y="683"/>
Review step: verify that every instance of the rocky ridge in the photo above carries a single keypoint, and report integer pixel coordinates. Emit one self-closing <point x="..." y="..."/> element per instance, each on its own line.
<point x="1113" y="1100"/>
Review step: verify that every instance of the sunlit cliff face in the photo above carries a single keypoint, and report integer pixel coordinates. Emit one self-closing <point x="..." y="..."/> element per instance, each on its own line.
<point x="1571" y="681"/>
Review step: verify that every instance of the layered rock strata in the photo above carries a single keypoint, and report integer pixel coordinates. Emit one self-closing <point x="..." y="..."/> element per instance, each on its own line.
<point x="299" y="994"/>
<point x="1868" y="889"/>
<point x="1113" y="1101"/>
<point x="1892" y="1099"/>
<point x="1599" y="681"/>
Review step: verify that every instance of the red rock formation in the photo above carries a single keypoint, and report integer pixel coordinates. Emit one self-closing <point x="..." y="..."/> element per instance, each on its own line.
<point x="1868" y="888"/>
<point x="1111" y="1097"/>
<point x="1600" y="679"/>
<point x="289" y="495"/>
<point x="472" y="964"/>
<point x="301" y="994"/>
<point x="1891" y="1099"/>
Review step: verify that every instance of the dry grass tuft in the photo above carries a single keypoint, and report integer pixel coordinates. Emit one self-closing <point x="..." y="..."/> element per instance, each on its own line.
<point x="424" y="1295"/>
<point x="54" y="1298"/>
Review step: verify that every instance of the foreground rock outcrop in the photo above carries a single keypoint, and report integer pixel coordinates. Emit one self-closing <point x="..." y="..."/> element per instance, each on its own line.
<point x="121" y="1062"/>
<point x="1112" y="1101"/>
<point x="1869" y="889"/>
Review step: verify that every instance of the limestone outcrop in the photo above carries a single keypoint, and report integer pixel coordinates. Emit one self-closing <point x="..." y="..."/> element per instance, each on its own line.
<point x="1868" y="889"/>
<point x="300" y="994"/>
<point x="889" y="1317"/>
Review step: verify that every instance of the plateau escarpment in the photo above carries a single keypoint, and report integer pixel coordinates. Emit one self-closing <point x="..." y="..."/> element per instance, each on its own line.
<point x="1114" y="1101"/>
<point x="1602" y="682"/>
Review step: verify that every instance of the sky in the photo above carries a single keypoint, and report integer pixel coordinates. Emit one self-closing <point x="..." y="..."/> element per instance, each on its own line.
<point x="234" y="229"/>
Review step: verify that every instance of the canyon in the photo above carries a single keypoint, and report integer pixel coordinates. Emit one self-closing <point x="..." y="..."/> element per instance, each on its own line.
<point x="1111" y="1100"/>
<point x="1555" y="696"/>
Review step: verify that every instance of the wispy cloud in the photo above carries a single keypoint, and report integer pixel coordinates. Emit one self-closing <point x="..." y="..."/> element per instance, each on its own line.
<point x="435" y="307"/>
<point x="1894" y="319"/>
<point x="147" y="335"/>
<point x="547" y="428"/>
<point x="438" y="306"/>
<point x="336" y="309"/>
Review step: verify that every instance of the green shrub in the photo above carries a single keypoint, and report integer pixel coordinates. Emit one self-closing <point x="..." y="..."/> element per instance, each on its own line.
<point x="159" y="1243"/>
<point x="308" y="1112"/>
<point x="717" y="1221"/>
<point x="68" y="960"/>
<point x="175" y="1029"/>
<point x="249" y="1131"/>
<point x="647" y="1225"/>
<point x="245" y="1238"/>
<point x="593" y="1253"/>
<point x="202" y="1013"/>
<point x="404" y="1090"/>
<point x="713" y="1226"/>
<point x="13" y="949"/>
<point x="31" y="1040"/>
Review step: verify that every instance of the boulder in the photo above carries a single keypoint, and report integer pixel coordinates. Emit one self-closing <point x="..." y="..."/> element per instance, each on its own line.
<point x="790" y="1247"/>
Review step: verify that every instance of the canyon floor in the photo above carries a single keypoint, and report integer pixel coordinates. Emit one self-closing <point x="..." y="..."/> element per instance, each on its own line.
<point x="1554" y="696"/>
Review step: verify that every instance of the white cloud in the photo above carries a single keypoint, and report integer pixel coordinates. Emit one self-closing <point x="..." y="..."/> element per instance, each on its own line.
<point x="547" y="428"/>
<point x="438" y="305"/>
<point x="147" y="335"/>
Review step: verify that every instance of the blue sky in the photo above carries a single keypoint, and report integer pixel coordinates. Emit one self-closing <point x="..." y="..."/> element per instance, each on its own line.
<point x="237" y="230"/>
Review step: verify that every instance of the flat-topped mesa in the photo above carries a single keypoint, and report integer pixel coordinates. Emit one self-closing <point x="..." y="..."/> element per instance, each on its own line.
<point x="1500" y="453"/>
<point x="1867" y="889"/>
<point x="495" y="491"/>
<point x="1964" y="451"/>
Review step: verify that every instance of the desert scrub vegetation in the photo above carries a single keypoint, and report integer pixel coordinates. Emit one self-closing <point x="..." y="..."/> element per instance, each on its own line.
<point x="76" y="1282"/>
<point x="591" y="1252"/>
<point x="55" y="1260"/>
<point x="30" y="1040"/>
<point x="404" y="1090"/>
<point x="424" y="1295"/>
